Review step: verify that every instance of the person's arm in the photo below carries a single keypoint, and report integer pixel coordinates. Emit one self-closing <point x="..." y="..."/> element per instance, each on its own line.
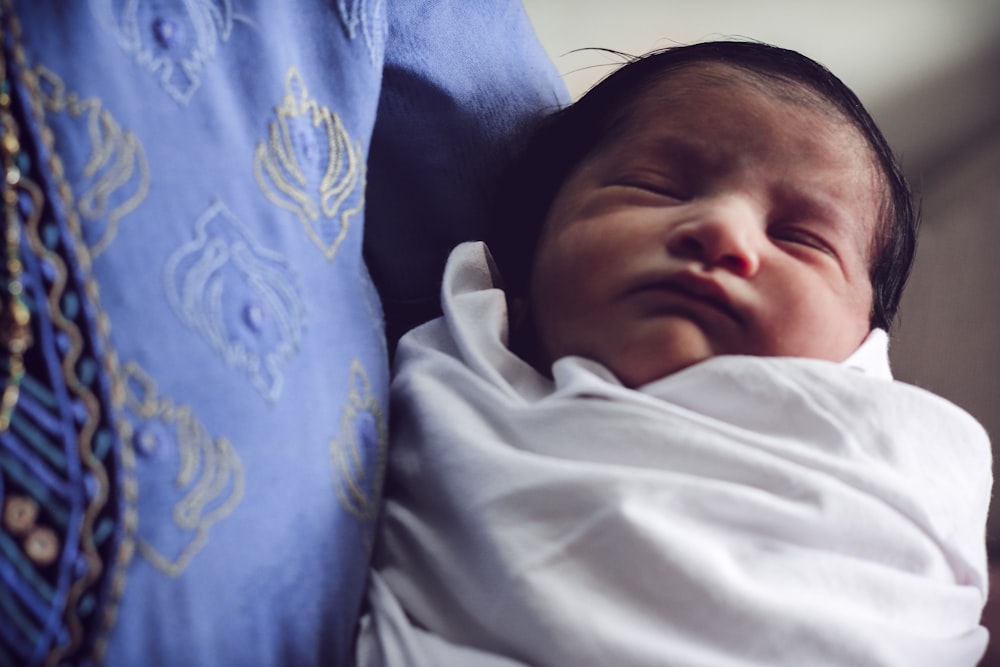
<point x="462" y="78"/>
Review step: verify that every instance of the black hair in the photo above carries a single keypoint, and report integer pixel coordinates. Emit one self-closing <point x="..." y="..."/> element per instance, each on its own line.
<point x="563" y="139"/>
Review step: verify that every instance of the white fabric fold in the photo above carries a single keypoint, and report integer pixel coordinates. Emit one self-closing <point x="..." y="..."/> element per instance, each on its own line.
<point x="743" y="511"/>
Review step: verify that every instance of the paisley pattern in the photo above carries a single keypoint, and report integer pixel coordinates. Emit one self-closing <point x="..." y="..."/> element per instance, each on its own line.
<point x="359" y="453"/>
<point x="114" y="180"/>
<point x="311" y="166"/>
<point x="171" y="39"/>
<point x="238" y="295"/>
<point x="207" y="481"/>
<point x="145" y="488"/>
<point x="64" y="537"/>
<point x="364" y="17"/>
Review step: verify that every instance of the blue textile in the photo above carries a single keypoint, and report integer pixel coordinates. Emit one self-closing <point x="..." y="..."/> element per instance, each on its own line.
<point x="193" y="469"/>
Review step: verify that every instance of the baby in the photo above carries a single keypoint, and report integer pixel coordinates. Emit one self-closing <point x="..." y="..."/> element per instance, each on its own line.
<point x="684" y="445"/>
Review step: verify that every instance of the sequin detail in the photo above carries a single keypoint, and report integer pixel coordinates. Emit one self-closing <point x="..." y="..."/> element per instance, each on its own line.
<point x="64" y="541"/>
<point x="239" y="296"/>
<point x="172" y="40"/>
<point x="310" y="166"/>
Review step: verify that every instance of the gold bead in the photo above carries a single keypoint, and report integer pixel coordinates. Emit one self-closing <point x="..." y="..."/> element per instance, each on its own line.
<point x="11" y="144"/>
<point x="19" y="514"/>
<point x="42" y="545"/>
<point x="22" y="316"/>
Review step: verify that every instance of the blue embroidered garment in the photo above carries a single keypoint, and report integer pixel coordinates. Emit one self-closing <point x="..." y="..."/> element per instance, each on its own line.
<point x="192" y="468"/>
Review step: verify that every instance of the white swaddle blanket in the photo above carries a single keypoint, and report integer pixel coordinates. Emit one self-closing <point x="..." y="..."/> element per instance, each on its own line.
<point x="743" y="511"/>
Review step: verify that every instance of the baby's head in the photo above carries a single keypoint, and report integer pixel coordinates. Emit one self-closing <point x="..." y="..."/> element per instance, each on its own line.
<point x="720" y="198"/>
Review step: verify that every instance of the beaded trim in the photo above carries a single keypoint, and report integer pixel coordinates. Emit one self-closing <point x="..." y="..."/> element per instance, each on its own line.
<point x="84" y="589"/>
<point x="15" y="319"/>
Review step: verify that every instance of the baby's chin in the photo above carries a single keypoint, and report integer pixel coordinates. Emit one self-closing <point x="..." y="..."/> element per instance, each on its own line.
<point x="646" y="361"/>
<point x="636" y="377"/>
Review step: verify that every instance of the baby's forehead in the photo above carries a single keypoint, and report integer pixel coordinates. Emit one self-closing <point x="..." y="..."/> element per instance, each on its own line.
<point x="678" y="102"/>
<point x="700" y="105"/>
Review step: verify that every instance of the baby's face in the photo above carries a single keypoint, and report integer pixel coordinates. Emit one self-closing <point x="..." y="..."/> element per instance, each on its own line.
<point x="720" y="220"/>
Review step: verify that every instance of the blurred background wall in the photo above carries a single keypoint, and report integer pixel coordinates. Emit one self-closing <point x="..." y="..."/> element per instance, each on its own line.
<point x="929" y="71"/>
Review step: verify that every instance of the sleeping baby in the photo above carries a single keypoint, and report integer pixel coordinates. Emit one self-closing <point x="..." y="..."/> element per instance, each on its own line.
<point x="656" y="423"/>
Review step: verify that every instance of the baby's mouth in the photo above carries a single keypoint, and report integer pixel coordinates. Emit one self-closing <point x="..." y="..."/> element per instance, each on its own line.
<point x="694" y="287"/>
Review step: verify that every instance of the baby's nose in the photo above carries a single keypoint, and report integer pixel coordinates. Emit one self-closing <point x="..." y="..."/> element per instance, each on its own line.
<point x="725" y="235"/>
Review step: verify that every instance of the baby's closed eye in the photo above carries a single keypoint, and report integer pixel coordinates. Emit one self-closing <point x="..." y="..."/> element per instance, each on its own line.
<point x="800" y="236"/>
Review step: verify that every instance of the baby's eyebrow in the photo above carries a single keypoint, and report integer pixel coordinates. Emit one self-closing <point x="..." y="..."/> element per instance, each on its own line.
<point x="681" y="157"/>
<point x="686" y="150"/>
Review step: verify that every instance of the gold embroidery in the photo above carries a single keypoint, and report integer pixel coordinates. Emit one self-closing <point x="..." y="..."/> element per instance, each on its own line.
<point x="15" y="317"/>
<point x="359" y="483"/>
<point x="91" y="421"/>
<point x="117" y="160"/>
<point x="209" y="472"/>
<point x="305" y="132"/>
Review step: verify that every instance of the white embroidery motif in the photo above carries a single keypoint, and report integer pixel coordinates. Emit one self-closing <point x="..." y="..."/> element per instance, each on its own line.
<point x="240" y="296"/>
<point x="173" y="39"/>
<point x="364" y="16"/>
